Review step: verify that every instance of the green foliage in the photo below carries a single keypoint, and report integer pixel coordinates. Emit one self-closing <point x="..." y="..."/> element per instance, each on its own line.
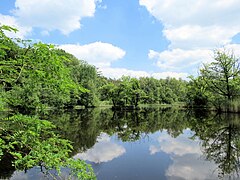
<point x="85" y="75"/>
<point x="218" y="83"/>
<point x="125" y="92"/>
<point x="2" y="102"/>
<point x="43" y="80"/>
<point x="197" y="94"/>
<point x="234" y="105"/>
<point x="32" y="142"/>
<point x="222" y="75"/>
<point x="131" y="91"/>
<point x="36" y="76"/>
<point x="163" y="91"/>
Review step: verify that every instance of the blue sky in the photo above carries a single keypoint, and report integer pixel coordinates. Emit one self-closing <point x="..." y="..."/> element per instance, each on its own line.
<point x="157" y="38"/>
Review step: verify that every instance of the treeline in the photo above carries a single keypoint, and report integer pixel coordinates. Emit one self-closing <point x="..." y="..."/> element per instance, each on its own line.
<point x="217" y="87"/>
<point x="37" y="76"/>
<point x="131" y="92"/>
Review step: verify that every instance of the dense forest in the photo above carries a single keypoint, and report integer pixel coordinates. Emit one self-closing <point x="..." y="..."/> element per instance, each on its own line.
<point x="35" y="77"/>
<point x="39" y="76"/>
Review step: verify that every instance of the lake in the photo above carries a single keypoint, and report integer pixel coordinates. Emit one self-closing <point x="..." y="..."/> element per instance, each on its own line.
<point x="151" y="143"/>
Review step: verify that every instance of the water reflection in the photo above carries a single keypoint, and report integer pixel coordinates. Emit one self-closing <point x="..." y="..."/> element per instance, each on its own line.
<point x="153" y="143"/>
<point x="178" y="146"/>
<point x="191" y="166"/>
<point x="103" y="151"/>
<point x="186" y="156"/>
<point x="220" y="135"/>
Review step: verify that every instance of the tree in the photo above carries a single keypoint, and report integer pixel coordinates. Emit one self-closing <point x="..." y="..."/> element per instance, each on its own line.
<point x="41" y="80"/>
<point x="218" y="83"/>
<point x="222" y="75"/>
<point x="110" y="91"/>
<point x="197" y="94"/>
<point x="85" y="75"/>
<point x="35" y="76"/>
<point x="151" y="90"/>
<point x="27" y="141"/>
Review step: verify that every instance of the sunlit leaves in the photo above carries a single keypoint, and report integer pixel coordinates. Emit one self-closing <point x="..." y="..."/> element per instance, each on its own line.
<point x="32" y="142"/>
<point x="35" y="76"/>
<point x="218" y="83"/>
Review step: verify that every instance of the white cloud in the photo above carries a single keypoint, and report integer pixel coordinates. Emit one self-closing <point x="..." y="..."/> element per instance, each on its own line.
<point x="164" y="75"/>
<point x="98" y="53"/>
<point x="11" y="21"/>
<point x="54" y="14"/>
<point x="193" y="27"/>
<point x="174" y="60"/>
<point x="153" y="54"/>
<point x="103" y="54"/>
<point x="235" y="48"/>
<point x="180" y="59"/>
<point x="194" y="12"/>
<point x="103" y="151"/>
<point x="196" y="36"/>
<point x="119" y="72"/>
<point x="45" y="33"/>
<point x="19" y="175"/>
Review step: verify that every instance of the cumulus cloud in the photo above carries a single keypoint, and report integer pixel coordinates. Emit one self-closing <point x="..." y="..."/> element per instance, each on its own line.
<point x="50" y="15"/>
<point x="235" y="48"/>
<point x="175" y="13"/>
<point x="173" y="59"/>
<point x="193" y="28"/>
<point x="98" y="53"/>
<point x="103" y="54"/>
<point x="103" y="151"/>
<point x="119" y="72"/>
<point x="11" y="21"/>
<point x="196" y="36"/>
<point x="164" y="75"/>
<point x="19" y="175"/>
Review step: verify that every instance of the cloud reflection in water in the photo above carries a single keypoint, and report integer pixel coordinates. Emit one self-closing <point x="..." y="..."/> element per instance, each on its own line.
<point x="103" y="151"/>
<point x="188" y="162"/>
<point x="178" y="146"/>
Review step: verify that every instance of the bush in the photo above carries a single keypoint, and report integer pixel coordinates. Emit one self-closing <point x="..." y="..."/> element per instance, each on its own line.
<point x="29" y="141"/>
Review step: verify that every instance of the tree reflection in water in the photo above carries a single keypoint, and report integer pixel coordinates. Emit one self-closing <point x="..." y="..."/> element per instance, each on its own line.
<point x="219" y="134"/>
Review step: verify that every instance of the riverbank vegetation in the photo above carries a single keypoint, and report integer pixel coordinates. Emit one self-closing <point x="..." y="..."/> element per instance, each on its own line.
<point x="218" y="85"/>
<point x="35" y="77"/>
<point x="38" y="76"/>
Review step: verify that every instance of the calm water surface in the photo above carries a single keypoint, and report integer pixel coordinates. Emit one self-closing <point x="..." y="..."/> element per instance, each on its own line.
<point x="151" y="143"/>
